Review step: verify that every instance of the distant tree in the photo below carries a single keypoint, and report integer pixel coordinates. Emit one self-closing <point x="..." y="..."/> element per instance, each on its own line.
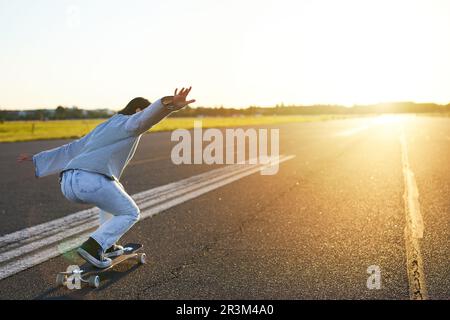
<point x="60" y="113"/>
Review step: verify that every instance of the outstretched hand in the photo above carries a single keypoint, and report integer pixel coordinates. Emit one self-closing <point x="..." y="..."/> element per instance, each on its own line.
<point x="179" y="98"/>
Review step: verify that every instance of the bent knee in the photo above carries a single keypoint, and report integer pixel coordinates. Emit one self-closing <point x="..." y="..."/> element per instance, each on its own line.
<point x="135" y="214"/>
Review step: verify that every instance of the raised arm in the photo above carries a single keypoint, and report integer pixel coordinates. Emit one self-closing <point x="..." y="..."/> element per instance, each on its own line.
<point x="142" y="121"/>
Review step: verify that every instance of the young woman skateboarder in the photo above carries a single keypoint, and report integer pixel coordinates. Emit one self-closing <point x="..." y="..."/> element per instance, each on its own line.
<point x="90" y="169"/>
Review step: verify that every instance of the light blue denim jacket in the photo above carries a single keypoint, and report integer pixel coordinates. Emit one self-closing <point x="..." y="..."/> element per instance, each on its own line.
<point x="107" y="149"/>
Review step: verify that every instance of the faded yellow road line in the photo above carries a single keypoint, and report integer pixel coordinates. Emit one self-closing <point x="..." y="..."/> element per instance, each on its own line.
<point x="414" y="229"/>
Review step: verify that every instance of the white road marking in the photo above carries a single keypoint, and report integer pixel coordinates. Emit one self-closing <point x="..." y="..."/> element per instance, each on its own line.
<point x="411" y="193"/>
<point x="57" y="225"/>
<point x="40" y="243"/>
<point x="32" y="246"/>
<point x="350" y="132"/>
<point x="40" y="256"/>
<point x="151" y="198"/>
<point x="414" y="229"/>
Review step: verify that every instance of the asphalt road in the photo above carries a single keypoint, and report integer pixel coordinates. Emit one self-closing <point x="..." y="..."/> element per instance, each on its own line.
<point x="309" y="232"/>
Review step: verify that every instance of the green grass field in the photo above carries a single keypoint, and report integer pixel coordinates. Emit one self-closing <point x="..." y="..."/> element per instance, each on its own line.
<point x="14" y="131"/>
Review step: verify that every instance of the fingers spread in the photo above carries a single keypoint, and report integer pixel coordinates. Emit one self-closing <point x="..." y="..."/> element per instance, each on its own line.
<point x="184" y="91"/>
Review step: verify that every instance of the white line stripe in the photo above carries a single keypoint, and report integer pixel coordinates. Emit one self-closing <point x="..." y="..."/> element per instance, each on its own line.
<point x="208" y="188"/>
<point x="66" y="231"/>
<point x="170" y="188"/>
<point x="158" y="194"/>
<point x="55" y="250"/>
<point x="49" y="233"/>
<point x="48" y="226"/>
<point x="35" y="245"/>
<point x="93" y="212"/>
<point x="39" y="257"/>
<point x="413" y="230"/>
<point x="171" y="194"/>
<point x="45" y="229"/>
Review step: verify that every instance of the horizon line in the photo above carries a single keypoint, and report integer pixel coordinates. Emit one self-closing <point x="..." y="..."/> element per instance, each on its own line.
<point x="280" y="104"/>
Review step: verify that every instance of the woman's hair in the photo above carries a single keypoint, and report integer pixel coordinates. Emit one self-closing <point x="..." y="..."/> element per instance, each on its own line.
<point x="133" y="105"/>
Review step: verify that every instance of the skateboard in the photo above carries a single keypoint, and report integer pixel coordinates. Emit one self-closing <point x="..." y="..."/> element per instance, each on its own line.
<point x="87" y="273"/>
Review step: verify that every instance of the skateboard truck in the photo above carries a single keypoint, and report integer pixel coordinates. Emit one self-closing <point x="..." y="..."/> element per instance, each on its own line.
<point x="89" y="274"/>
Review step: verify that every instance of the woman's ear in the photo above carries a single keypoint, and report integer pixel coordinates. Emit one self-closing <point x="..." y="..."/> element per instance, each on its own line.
<point x="137" y="110"/>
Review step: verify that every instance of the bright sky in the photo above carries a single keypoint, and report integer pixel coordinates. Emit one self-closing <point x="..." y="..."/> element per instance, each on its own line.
<point x="235" y="53"/>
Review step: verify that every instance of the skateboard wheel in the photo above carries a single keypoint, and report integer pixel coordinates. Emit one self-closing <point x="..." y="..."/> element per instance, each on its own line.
<point x="142" y="258"/>
<point x="60" y="279"/>
<point x="94" y="281"/>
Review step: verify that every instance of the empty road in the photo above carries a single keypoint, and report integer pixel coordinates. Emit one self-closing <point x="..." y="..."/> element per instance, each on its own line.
<point x="349" y="194"/>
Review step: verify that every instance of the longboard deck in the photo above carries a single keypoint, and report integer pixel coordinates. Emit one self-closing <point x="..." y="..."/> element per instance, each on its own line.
<point x="87" y="271"/>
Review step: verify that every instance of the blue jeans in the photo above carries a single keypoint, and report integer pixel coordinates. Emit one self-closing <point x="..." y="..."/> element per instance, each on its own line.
<point x="118" y="211"/>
